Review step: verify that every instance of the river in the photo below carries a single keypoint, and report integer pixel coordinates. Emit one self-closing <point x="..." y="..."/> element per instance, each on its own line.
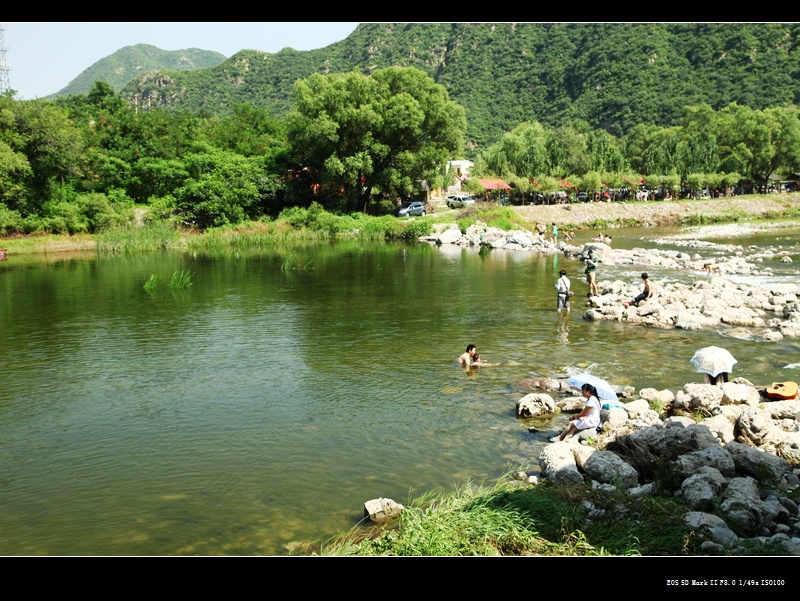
<point x="264" y="404"/>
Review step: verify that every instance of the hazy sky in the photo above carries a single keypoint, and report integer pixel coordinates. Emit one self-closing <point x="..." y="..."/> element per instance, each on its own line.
<point x="44" y="57"/>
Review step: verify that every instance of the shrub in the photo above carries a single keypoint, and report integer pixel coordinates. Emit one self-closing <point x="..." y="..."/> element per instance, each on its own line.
<point x="10" y="221"/>
<point x="415" y="229"/>
<point x="464" y="223"/>
<point x="65" y="218"/>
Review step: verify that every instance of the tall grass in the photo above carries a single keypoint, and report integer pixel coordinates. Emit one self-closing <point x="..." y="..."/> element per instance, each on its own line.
<point x="293" y="263"/>
<point x="446" y="524"/>
<point x="181" y="279"/>
<point x="153" y="235"/>
<point x="512" y="518"/>
<point x="152" y="282"/>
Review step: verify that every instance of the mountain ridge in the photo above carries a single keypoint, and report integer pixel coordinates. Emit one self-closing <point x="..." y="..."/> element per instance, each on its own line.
<point x="119" y="68"/>
<point x="611" y="76"/>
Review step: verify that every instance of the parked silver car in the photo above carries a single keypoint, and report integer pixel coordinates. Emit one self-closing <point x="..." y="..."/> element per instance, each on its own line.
<point x="411" y="208"/>
<point x="457" y="201"/>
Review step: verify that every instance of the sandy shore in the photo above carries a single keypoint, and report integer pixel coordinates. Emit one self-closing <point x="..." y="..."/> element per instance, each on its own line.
<point x="655" y="213"/>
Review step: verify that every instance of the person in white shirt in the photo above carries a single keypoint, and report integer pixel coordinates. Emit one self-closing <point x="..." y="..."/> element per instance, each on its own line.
<point x="563" y="289"/>
<point x="589" y="417"/>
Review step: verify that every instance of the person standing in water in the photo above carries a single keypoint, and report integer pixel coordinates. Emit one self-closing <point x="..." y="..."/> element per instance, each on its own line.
<point x="591" y="266"/>
<point x="564" y="292"/>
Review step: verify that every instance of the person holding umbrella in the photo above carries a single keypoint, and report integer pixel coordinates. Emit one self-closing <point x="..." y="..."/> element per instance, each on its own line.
<point x="715" y="362"/>
<point x="589" y="417"/>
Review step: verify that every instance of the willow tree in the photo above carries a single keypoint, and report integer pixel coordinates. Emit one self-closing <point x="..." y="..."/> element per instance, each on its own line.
<point x="758" y="143"/>
<point x="353" y="135"/>
<point x="521" y="152"/>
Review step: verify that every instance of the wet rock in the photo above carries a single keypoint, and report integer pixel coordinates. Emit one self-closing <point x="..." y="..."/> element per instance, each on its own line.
<point x="382" y="510"/>
<point x="535" y="405"/>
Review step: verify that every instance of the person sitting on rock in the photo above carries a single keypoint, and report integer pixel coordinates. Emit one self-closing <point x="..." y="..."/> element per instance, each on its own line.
<point x="646" y="293"/>
<point x="589" y="417"/>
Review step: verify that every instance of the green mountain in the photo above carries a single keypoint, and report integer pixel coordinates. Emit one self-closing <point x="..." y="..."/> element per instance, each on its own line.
<point x="130" y="62"/>
<point x="612" y="76"/>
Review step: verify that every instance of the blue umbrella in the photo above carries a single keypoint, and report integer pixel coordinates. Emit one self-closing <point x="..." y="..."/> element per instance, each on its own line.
<point x="604" y="389"/>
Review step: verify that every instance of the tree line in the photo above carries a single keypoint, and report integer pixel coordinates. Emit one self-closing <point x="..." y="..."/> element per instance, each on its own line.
<point x="350" y="143"/>
<point x="735" y="146"/>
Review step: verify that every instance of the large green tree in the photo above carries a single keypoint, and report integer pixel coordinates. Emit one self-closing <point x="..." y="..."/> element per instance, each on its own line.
<point x="39" y="148"/>
<point x="757" y="143"/>
<point x="354" y="135"/>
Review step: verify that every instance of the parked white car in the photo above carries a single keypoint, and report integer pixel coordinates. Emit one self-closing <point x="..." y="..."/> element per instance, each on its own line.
<point x="457" y="201"/>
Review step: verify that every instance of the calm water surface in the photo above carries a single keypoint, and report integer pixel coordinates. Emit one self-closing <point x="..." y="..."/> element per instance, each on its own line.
<point x="264" y="405"/>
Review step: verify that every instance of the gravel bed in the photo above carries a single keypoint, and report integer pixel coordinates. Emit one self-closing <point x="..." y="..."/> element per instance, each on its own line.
<point x="656" y="213"/>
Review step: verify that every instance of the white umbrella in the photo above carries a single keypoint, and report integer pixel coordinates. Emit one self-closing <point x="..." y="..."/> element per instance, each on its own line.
<point x="713" y="360"/>
<point x="604" y="389"/>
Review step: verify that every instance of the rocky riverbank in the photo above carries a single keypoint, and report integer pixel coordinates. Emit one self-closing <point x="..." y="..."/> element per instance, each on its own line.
<point x="729" y="452"/>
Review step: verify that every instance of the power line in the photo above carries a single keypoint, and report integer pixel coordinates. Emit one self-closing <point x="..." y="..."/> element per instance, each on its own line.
<point x="5" y="85"/>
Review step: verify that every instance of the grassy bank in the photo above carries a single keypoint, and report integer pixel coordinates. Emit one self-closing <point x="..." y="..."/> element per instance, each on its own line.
<point x="513" y="518"/>
<point x="314" y="223"/>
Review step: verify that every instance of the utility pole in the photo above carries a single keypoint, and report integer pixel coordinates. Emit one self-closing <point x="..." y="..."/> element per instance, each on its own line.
<point x="5" y="85"/>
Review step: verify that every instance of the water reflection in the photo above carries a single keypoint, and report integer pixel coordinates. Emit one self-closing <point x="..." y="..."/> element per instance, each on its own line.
<point x="563" y="327"/>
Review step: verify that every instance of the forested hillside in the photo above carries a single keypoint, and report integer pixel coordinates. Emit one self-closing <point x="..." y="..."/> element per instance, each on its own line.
<point x="612" y="76"/>
<point x="127" y="63"/>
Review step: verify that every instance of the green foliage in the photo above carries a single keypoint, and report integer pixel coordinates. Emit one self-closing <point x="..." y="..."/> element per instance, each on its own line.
<point x="610" y="75"/>
<point x="415" y="229"/>
<point x="464" y="223"/>
<point x="293" y="263"/>
<point x="250" y="131"/>
<point x="39" y="147"/>
<point x="11" y="222"/>
<point x="501" y="217"/>
<point x="354" y="135"/>
<point x="224" y="152"/>
<point x="466" y="526"/>
<point x="222" y="187"/>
